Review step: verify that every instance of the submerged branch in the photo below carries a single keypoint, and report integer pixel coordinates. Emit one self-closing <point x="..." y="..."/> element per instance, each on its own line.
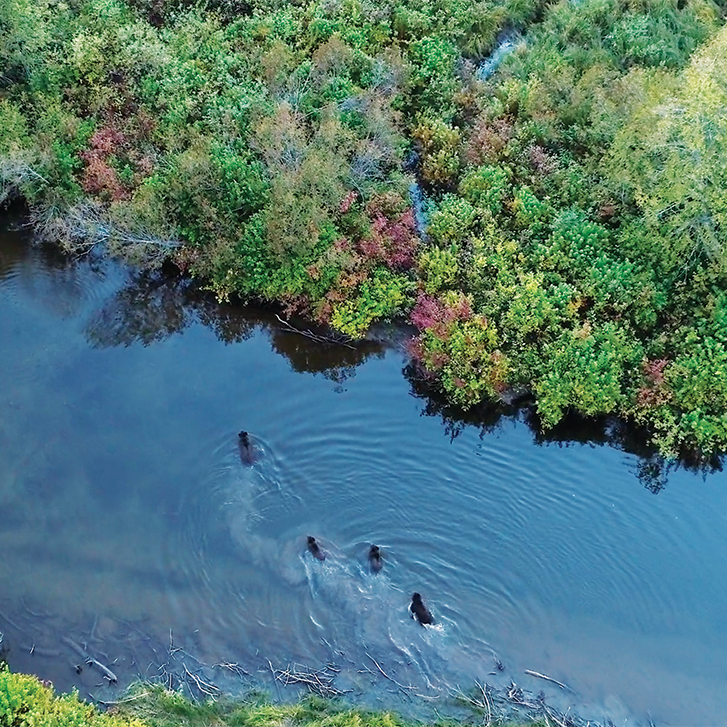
<point x="547" y="678"/>
<point x="88" y="659"/>
<point x="335" y="340"/>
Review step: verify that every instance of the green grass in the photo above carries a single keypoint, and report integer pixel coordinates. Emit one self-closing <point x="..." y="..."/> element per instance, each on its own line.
<point x="157" y="707"/>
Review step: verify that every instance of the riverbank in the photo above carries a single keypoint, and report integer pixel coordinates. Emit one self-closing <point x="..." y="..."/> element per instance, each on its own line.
<point x="24" y="699"/>
<point x="359" y="163"/>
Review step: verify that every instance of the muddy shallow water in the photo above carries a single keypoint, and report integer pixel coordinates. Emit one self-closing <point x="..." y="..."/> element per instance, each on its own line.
<point x="128" y="517"/>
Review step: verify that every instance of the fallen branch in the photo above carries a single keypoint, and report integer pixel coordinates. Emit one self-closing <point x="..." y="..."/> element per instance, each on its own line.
<point x="211" y="690"/>
<point x="317" y="681"/>
<point x="122" y="701"/>
<point x="35" y="650"/>
<point x="335" y="340"/>
<point x="108" y="674"/>
<point x="487" y="701"/>
<point x="34" y="614"/>
<point x="391" y="679"/>
<point x="7" y="619"/>
<point x="14" y="171"/>
<point x="547" y="678"/>
<point x="550" y="712"/>
<point x="515" y="695"/>
<point x="405" y="689"/>
<point x="87" y="225"/>
<point x="478" y="704"/>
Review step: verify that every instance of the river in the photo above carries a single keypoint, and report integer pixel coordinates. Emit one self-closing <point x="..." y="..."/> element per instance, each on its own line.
<point x="130" y="526"/>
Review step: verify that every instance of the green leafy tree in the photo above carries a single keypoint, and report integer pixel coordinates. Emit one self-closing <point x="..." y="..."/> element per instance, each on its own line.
<point x="672" y="156"/>
<point x="24" y="35"/>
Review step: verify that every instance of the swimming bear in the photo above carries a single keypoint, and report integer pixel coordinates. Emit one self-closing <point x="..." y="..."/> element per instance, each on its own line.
<point x="419" y="611"/>
<point x="375" y="560"/>
<point x="316" y="549"/>
<point x="247" y="451"/>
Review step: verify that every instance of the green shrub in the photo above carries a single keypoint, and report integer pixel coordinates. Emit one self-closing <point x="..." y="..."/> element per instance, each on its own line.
<point x="485" y="187"/>
<point x="452" y="222"/>
<point x="529" y="210"/>
<point x="439" y="145"/>
<point x="26" y="702"/>
<point x="438" y="268"/>
<point x="380" y="296"/>
<point x="432" y="82"/>
<point x="586" y="370"/>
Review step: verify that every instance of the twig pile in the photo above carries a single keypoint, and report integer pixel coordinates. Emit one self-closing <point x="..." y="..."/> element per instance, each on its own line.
<point x="193" y="679"/>
<point x="498" y="705"/>
<point x="318" y="681"/>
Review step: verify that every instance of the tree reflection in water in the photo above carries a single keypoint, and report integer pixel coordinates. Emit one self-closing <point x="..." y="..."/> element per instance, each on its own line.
<point x="149" y="308"/>
<point x="652" y="469"/>
<point x="154" y="305"/>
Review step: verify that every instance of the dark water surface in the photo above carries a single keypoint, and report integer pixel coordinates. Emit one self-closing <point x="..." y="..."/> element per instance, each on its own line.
<point x="126" y="513"/>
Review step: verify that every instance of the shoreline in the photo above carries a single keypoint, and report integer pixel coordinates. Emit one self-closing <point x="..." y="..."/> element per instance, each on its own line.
<point x="104" y="675"/>
<point x="621" y="432"/>
<point x="487" y="704"/>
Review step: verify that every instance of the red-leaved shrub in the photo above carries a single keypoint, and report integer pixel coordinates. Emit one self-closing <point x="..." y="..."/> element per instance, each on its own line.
<point x="99" y="177"/>
<point x="655" y="392"/>
<point x="393" y="242"/>
<point x="433" y="314"/>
